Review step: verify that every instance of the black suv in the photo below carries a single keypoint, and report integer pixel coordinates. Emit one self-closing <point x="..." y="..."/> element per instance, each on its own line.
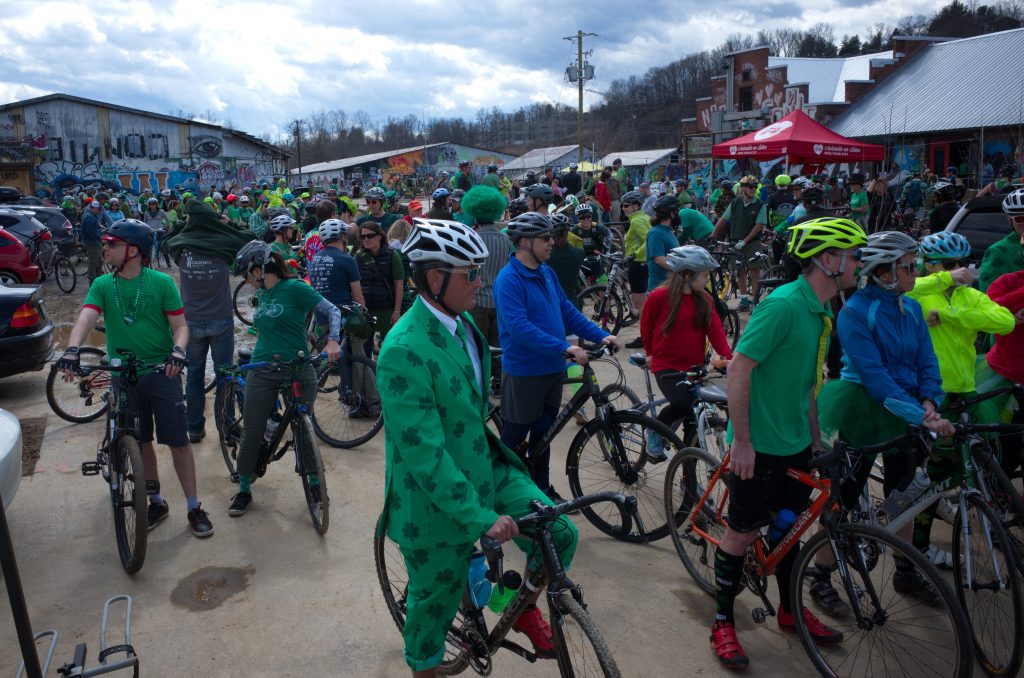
<point x="983" y="222"/>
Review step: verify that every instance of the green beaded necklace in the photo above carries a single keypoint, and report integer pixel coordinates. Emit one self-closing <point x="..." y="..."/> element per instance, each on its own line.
<point x="129" y="318"/>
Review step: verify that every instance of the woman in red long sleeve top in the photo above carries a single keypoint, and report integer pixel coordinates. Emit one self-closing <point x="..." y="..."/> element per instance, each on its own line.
<point x="1003" y="365"/>
<point x="601" y="194"/>
<point x="677" y="320"/>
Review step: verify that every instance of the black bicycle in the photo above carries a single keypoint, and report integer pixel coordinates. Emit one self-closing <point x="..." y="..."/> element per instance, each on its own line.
<point x="51" y="261"/>
<point x="288" y="414"/>
<point x="580" y="649"/>
<point x="119" y="458"/>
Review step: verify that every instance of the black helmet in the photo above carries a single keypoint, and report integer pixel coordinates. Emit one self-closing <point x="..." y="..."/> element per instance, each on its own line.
<point x="254" y="253"/>
<point x="133" y="232"/>
<point x="458" y="194"/>
<point x="1008" y="170"/>
<point x="529" y="225"/>
<point x="530" y="178"/>
<point x="540" y="192"/>
<point x="517" y="207"/>
<point x="812" y="196"/>
<point x="666" y="203"/>
<point x="634" y="197"/>
<point x="944" y="189"/>
<point x="492" y="168"/>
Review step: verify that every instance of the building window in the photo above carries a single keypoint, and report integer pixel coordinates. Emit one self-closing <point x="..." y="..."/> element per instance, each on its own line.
<point x="746" y="98"/>
<point x="747" y="75"/>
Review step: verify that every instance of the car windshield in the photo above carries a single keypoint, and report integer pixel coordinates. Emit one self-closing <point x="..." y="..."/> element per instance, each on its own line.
<point x="982" y="229"/>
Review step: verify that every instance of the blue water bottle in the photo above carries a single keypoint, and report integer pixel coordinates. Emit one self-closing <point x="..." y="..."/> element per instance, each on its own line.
<point x="784" y="520"/>
<point x="479" y="586"/>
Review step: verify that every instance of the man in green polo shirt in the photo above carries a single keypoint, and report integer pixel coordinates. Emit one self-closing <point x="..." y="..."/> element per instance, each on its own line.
<point x="773" y="381"/>
<point x="694" y="227"/>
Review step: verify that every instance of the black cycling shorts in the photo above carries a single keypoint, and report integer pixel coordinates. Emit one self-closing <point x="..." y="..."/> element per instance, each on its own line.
<point x="637" y="273"/>
<point x="751" y="502"/>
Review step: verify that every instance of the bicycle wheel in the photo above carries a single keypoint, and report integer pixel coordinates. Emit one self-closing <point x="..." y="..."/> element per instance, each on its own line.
<point x="347" y="410"/>
<point x="64" y="272"/>
<point x="602" y="307"/>
<point x="593" y="465"/>
<point x="710" y="434"/>
<point x="896" y="634"/>
<point x="227" y="412"/>
<point x="310" y="466"/>
<point x="128" y="497"/>
<point x="82" y="399"/>
<point x="686" y="481"/>
<point x="1005" y="499"/>
<point x="988" y="586"/>
<point x="244" y="300"/>
<point x="579" y="647"/>
<point x="622" y="397"/>
<point x="394" y="583"/>
<point x="731" y="325"/>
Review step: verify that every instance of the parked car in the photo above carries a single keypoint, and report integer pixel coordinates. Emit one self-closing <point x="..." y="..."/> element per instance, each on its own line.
<point x="983" y="222"/>
<point x="60" y="228"/>
<point x="26" y="333"/>
<point x="15" y="262"/>
<point x="12" y="196"/>
<point x="10" y="456"/>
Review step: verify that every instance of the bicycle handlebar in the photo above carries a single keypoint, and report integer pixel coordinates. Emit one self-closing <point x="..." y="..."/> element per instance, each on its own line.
<point x="600" y="352"/>
<point x="276" y="364"/>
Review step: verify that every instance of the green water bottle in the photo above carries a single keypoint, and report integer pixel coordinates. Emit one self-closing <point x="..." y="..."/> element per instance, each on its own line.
<point x="501" y="595"/>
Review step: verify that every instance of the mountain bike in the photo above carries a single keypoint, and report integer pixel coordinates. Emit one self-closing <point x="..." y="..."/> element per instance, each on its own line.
<point x="580" y="648"/>
<point x="885" y="630"/>
<point x="732" y="263"/>
<point x="51" y="261"/>
<point x="288" y="414"/>
<point x="119" y="458"/>
<point x="244" y="301"/>
<point x="610" y="306"/>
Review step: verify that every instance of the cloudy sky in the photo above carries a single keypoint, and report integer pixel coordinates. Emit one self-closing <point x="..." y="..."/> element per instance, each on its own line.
<point x="260" y="65"/>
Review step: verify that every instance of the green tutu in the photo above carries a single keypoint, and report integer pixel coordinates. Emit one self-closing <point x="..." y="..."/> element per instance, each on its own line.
<point x="847" y="411"/>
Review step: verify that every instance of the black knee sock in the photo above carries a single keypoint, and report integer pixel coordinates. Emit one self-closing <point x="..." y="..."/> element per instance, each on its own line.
<point x="782" y="574"/>
<point x="728" y="573"/>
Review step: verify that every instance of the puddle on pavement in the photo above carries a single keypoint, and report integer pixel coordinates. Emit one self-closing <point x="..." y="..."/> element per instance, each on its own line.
<point x="209" y="587"/>
<point x="61" y="331"/>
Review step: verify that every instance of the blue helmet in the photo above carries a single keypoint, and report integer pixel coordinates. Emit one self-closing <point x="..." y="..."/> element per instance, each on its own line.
<point x="133" y="232"/>
<point x="945" y="245"/>
<point x="440" y="193"/>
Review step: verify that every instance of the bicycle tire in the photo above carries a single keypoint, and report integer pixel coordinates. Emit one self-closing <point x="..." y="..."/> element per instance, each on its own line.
<point x="64" y="274"/>
<point x="393" y="578"/>
<point x="589" y="471"/>
<point x="229" y="427"/>
<point x="731" y="325"/>
<point x="1006" y="497"/>
<point x="709" y="433"/>
<point x="333" y="411"/>
<point x="606" y="312"/>
<point x="318" y="500"/>
<point x="942" y="647"/>
<point x="622" y="397"/>
<point x="580" y="649"/>
<point x="77" y="401"/>
<point x="1007" y="609"/>
<point x="243" y="301"/>
<point x="686" y="479"/>
<point x="128" y="499"/>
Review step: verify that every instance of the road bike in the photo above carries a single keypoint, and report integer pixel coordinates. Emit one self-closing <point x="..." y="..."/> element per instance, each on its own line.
<point x="289" y="415"/>
<point x="580" y="649"/>
<point x="885" y="631"/>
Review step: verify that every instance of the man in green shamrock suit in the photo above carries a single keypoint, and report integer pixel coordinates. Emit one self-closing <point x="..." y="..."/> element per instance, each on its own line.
<point x="449" y="480"/>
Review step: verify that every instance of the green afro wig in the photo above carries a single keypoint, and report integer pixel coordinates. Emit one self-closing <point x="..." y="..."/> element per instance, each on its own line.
<point x="485" y="204"/>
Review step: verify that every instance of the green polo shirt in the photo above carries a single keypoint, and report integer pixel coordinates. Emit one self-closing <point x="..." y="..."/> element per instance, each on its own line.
<point x="783" y="336"/>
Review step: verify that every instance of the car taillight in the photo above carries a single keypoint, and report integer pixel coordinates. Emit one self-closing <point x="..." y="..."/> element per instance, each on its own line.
<point x="46" y="235"/>
<point x="67" y="227"/>
<point x="25" y="316"/>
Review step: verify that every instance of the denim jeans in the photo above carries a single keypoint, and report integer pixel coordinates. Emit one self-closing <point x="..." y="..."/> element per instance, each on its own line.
<point x="205" y="336"/>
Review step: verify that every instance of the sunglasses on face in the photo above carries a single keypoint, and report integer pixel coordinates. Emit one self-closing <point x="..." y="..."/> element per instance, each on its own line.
<point x="471" y="273"/>
<point x="949" y="264"/>
<point x="368" y="236"/>
<point x="909" y="269"/>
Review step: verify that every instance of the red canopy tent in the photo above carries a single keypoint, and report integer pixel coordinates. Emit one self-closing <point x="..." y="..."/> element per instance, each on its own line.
<point x="802" y="140"/>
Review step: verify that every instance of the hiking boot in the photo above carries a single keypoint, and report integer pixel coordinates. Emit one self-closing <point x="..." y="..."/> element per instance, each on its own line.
<point x="940" y="558"/>
<point x="827" y="598"/>
<point x="726" y="647"/>
<point x="913" y="585"/>
<point x="156" y="514"/>
<point x="821" y="634"/>
<point x="240" y="504"/>
<point x="200" y="522"/>
<point x="197" y="436"/>
<point x="655" y="446"/>
<point x="532" y="623"/>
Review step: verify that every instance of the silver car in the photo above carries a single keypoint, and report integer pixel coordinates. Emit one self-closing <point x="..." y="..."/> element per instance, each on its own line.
<point x="10" y="456"/>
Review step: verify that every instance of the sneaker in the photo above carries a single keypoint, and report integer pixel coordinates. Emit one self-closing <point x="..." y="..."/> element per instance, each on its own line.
<point x="655" y="446"/>
<point x="197" y="436"/>
<point x="156" y="514"/>
<point x="557" y="498"/>
<point x="946" y="511"/>
<point x="827" y="598"/>
<point x="912" y="584"/>
<point x="532" y="623"/>
<point x="200" y="522"/>
<point x="744" y="304"/>
<point x="240" y="504"/>
<point x="940" y="558"/>
<point x="821" y="634"/>
<point x="636" y="343"/>
<point x="580" y="415"/>
<point x="726" y="647"/>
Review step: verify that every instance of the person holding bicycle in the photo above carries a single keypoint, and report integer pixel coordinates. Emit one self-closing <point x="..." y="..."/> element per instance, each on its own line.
<point x="144" y="314"/>
<point x="675" y="326"/>
<point x="888" y="363"/>
<point x="743" y="221"/>
<point x="595" y="240"/>
<point x="448" y="480"/>
<point x="280" y="322"/>
<point x="534" y="318"/>
<point x="773" y="381"/>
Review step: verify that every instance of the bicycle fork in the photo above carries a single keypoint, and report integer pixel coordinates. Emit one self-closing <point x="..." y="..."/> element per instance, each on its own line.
<point x="998" y="582"/>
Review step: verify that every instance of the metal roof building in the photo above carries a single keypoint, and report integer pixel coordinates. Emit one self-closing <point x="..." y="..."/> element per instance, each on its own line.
<point x="356" y="161"/>
<point x="827" y="77"/>
<point x="638" y="158"/>
<point x="555" y="157"/>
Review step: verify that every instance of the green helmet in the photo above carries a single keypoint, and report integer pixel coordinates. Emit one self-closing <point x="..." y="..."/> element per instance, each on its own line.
<point x="817" y="235"/>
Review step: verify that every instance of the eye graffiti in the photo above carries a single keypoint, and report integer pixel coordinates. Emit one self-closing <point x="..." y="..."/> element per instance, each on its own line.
<point x="207" y="146"/>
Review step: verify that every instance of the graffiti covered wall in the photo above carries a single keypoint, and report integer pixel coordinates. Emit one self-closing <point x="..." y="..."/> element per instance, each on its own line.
<point x="73" y="144"/>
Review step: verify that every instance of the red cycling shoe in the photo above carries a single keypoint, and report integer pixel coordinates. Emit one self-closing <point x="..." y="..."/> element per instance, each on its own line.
<point x="822" y="635"/>
<point x="726" y="647"/>
<point x="532" y="623"/>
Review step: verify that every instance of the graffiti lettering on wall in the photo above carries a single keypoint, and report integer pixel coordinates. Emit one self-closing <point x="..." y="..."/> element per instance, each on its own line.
<point x="264" y="165"/>
<point x="210" y="174"/>
<point x="793" y="101"/>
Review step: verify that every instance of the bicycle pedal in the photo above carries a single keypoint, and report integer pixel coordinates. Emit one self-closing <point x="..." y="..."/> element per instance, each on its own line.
<point x="91" y="468"/>
<point x="759" y="614"/>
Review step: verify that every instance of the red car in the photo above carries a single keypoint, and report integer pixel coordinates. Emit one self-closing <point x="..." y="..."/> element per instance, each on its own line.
<point x="15" y="263"/>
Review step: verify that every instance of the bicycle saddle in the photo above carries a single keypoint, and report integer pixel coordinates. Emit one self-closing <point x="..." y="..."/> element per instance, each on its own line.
<point x="638" y="359"/>
<point x="713" y="394"/>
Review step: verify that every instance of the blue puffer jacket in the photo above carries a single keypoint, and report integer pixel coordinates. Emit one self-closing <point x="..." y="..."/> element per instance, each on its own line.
<point x="534" y="316"/>
<point x="887" y="349"/>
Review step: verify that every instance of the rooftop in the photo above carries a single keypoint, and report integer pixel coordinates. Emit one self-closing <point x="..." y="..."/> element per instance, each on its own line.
<point x="636" y="158"/>
<point x="827" y="77"/>
<point x="539" y="157"/>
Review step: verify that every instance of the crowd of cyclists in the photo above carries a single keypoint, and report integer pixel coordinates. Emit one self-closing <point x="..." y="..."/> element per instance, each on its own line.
<point x="874" y="280"/>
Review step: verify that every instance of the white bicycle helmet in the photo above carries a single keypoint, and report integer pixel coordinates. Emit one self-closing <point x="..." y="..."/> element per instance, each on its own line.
<point x="281" y="222"/>
<point x="884" y="247"/>
<point x="375" y="193"/>
<point x="1013" y="203"/>
<point x="690" y="258"/>
<point x="332" y="229"/>
<point x="441" y="241"/>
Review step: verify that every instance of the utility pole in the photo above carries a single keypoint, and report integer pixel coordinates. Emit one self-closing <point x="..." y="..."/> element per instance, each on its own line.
<point x="580" y="73"/>
<point x="298" y="146"/>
